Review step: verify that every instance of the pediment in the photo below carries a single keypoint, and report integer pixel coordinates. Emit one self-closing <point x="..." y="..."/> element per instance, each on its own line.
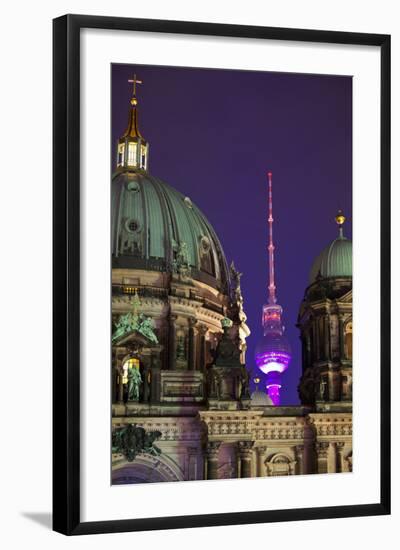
<point x="134" y="337"/>
<point x="347" y="298"/>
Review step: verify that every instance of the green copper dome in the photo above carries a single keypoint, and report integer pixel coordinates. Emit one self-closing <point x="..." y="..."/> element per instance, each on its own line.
<point x="154" y="227"/>
<point x="334" y="261"/>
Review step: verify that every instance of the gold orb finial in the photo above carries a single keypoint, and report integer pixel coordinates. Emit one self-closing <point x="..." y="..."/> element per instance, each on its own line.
<point x="340" y="218"/>
<point x="256" y="380"/>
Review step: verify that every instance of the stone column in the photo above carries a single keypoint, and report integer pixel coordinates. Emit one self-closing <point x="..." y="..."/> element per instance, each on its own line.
<point x="331" y="459"/>
<point x="155" y="381"/>
<point x="350" y="386"/>
<point x="172" y="343"/>
<point x="260" y="461"/>
<point x="339" y="456"/>
<point x="327" y="337"/>
<point x="146" y="384"/>
<point x="245" y="455"/>
<point x="192" y="343"/>
<point x="321" y="448"/>
<point x="349" y="461"/>
<point x="341" y="338"/>
<point x="120" y="385"/>
<point x="114" y="383"/>
<point x="164" y="341"/>
<point x="308" y="348"/>
<point x="317" y="339"/>
<point x="211" y="461"/>
<point x="203" y="352"/>
<point x="299" y="454"/>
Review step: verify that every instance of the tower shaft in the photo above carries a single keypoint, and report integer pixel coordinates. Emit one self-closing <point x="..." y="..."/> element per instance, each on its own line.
<point x="271" y="247"/>
<point x="273" y="352"/>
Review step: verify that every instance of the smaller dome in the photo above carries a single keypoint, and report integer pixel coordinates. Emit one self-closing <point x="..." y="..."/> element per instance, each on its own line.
<point x="260" y="399"/>
<point x="334" y="261"/>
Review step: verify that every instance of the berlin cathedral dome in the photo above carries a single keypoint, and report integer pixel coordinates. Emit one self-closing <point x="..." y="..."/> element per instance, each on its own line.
<point x="156" y="228"/>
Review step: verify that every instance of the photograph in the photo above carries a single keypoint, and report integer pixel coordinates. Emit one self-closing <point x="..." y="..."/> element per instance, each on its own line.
<point x="231" y="254"/>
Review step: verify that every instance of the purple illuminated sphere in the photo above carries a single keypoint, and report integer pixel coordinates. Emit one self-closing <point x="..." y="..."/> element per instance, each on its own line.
<point x="273" y="353"/>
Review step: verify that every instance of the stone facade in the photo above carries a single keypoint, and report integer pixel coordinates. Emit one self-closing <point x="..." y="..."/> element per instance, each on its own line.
<point x="210" y="432"/>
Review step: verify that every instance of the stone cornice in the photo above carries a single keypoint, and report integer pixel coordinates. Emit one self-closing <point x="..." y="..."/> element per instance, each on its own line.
<point x="253" y="426"/>
<point x="331" y="424"/>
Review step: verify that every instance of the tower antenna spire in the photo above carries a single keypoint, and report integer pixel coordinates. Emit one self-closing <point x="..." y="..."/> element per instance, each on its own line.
<point x="271" y="247"/>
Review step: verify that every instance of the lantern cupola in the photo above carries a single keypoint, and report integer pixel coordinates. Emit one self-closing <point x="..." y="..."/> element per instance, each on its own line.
<point x="133" y="149"/>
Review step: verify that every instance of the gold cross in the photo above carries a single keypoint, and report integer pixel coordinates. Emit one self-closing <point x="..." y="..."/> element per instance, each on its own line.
<point x="135" y="81"/>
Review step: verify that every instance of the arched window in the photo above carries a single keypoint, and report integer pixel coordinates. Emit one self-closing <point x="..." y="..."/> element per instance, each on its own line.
<point x="348" y="340"/>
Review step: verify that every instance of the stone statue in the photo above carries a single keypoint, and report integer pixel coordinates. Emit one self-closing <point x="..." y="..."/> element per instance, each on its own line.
<point x="134" y="383"/>
<point x="132" y="440"/>
<point x="181" y="263"/>
<point x="236" y="276"/>
<point x="322" y="386"/>
<point x="227" y="352"/>
<point x="306" y="388"/>
<point x="245" y="383"/>
<point x="180" y="348"/>
<point x="146" y="327"/>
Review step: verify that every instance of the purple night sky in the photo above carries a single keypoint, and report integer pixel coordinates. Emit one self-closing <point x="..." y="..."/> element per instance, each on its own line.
<point x="214" y="134"/>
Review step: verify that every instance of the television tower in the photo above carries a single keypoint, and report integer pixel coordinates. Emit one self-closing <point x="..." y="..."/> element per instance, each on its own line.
<point x="273" y="352"/>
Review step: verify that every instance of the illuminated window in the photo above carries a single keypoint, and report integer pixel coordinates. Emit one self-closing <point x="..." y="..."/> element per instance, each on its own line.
<point x="143" y="157"/>
<point x="132" y="154"/>
<point x="121" y="150"/>
<point x="130" y="363"/>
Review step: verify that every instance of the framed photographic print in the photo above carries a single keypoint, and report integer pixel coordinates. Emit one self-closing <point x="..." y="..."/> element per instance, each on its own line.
<point x="221" y="225"/>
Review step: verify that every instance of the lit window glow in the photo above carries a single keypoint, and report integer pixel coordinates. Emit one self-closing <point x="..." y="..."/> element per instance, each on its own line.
<point x="132" y="154"/>
<point x="121" y="151"/>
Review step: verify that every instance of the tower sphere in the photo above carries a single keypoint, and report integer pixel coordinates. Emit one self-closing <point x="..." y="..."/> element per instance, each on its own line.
<point x="273" y="353"/>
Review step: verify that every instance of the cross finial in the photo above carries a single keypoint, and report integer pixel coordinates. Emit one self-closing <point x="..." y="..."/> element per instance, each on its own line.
<point x="134" y="81"/>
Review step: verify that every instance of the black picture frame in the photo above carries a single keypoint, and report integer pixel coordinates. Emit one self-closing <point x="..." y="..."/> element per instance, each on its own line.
<point x="66" y="272"/>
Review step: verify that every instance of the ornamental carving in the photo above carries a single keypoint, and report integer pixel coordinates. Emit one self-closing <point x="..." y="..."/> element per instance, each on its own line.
<point x="280" y="465"/>
<point x="171" y="431"/>
<point x="130" y="322"/>
<point x="332" y="426"/>
<point x="212" y="449"/>
<point x="245" y="448"/>
<point x="228" y="428"/>
<point x="133" y="440"/>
